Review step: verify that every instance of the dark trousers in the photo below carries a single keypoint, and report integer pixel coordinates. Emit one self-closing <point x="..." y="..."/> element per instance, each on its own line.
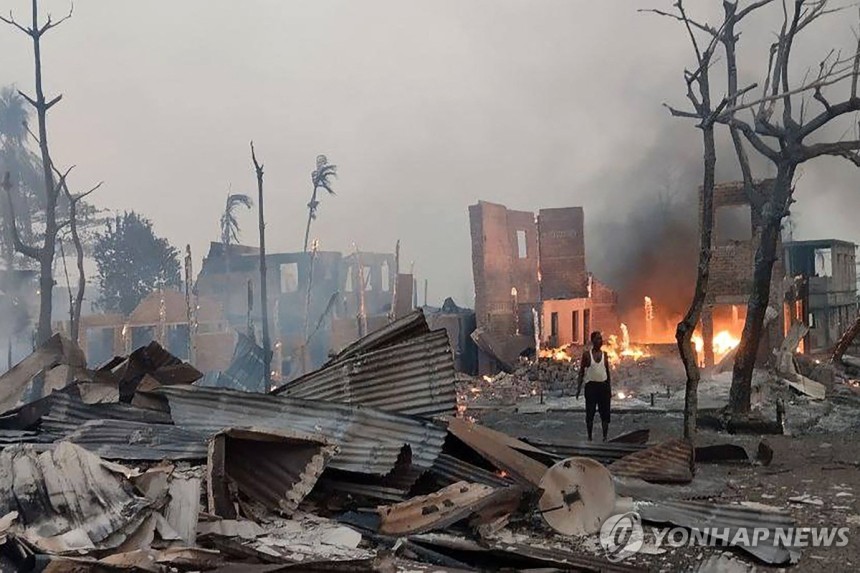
<point x="598" y="396"/>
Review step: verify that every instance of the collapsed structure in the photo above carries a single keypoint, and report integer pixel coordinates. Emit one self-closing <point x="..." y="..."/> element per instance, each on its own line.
<point x="528" y="266"/>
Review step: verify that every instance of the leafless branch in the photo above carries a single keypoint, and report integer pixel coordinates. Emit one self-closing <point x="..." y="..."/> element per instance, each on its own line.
<point x="49" y="23"/>
<point x="11" y="21"/>
<point x="846" y="149"/>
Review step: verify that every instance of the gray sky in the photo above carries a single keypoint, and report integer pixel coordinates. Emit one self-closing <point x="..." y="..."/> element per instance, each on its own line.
<point x="425" y="106"/>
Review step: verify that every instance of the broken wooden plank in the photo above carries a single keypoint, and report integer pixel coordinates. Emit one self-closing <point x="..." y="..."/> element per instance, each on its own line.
<point x="434" y="511"/>
<point x="520" y="467"/>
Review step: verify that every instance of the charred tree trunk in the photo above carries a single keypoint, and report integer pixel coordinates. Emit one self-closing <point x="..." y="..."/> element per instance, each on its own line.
<point x="264" y="300"/>
<point x="773" y="212"/>
<point x="686" y="327"/>
<point x="311" y="210"/>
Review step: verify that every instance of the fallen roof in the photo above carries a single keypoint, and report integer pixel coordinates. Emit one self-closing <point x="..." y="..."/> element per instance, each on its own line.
<point x="278" y="469"/>
<point x="247" y="370"/>
<point x="65" y="413"/>
<point x="415" y="377"/>
<point x="668" y="462"/>
<point x="410" y="326"/>
<point x="452" y="470"/>
<point x="125" y="440"/>
<point x="604" y="452"/>
<point x="728" y="519"/>
<point x="67" y="498"/>
<point x="370" y="440"/>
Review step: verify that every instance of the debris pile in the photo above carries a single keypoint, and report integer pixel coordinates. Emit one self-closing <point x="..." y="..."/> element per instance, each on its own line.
<point x="362" y="465"/>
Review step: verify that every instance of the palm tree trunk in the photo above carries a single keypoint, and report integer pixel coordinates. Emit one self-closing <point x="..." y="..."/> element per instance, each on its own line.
<point x="311" y="210"/>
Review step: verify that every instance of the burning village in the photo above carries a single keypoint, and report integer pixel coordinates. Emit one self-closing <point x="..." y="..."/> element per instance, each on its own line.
<point x="542" y="310"/>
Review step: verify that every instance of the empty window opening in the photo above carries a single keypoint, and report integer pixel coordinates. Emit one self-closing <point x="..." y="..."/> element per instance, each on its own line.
<point x="553" y="324"/>
<point x="386" y="278"/>
<point x="823" y="263"/>
<point x="586" y="322"/>
<point x="733" y="223"/>
<point x="348" y="287"/>
<point x="366" y="282"/>
<point x="289" y="277"/>
<point x="522" y="251"/>
<point x="575" y="322"/>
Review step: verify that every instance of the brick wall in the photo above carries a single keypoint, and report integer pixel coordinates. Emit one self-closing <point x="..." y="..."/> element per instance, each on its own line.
<point x="562" y="253"/>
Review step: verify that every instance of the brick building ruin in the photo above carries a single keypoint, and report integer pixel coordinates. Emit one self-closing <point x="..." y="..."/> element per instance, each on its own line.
<point x="524" y="264"/>
<point x="823" y="277"/>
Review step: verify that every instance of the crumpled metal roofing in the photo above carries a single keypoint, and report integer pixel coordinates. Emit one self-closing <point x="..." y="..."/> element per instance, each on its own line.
<point x="66" y="413"/>
<point x="699" y="515"/>
<point x="278" y="469"/>
<point x="409" y="326"/>
<point x="414" y="377"/>
<point x="370" y="440"/>
<point x="11" y="437"/>
<point x="668" y="462"/>
<point x="125" y="440"/>
<point x="451" y="470"/>
<point x="247" y="370"/>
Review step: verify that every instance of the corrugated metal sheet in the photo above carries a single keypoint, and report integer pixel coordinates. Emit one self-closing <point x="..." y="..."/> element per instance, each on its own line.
<point x="11" y="437"/>
<point x="124" y="440"/>
<point x="451" y="470"/>
<point x="604" y="452"/>
<point x="410" y="326"/>
<point x="370" y="440"/>
<point x="414" y="377"/>
<point x="247" y="370"/>
<point x="277" y="469"/>
<point x="66" y="413"/>
<point x="667" y="462"/>
<point x="699" y="515"/>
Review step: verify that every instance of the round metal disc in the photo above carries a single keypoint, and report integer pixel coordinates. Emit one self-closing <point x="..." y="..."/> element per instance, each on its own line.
<point x="578" y="496"/>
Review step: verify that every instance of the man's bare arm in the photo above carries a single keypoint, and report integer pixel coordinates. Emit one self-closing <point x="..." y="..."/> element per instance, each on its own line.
<point x="582" y="366"/>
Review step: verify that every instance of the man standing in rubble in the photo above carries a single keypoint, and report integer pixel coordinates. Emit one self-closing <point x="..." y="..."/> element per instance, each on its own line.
<point x="594" y="371"/>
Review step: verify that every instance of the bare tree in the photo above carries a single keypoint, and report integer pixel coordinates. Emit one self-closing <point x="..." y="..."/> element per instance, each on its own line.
<point x="779" y="130"/>
<point x="698" y="85"/>
<point x="264" y="300"/>
<point x="44" y="254"/>
<point x="321" y="178"/>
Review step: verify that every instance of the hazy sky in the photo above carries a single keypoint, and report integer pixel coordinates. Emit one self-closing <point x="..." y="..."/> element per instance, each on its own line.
<point x="425" y="106"/>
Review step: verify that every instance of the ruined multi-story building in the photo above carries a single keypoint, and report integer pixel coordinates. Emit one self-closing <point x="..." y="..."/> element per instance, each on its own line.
<point x="328" y="297"/>
<point x="524" y="264"/>
<point x="824" y="277"/>
<point x="737" y="227"/>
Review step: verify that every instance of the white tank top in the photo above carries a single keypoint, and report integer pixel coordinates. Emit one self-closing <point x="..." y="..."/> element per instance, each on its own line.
<point x="596" y="371"/>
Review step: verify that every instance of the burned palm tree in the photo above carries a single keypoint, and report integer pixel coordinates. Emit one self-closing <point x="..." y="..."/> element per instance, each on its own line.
<point x="321" y="178"/>
<point x="229" y="223"/>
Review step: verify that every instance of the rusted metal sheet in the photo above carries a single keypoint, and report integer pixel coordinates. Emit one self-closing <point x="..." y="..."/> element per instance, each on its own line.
<point x="276" y="468"/>
<point x="370" y="440"/>
<point x="31" y="379"/>
<point x="415" y="377"/>
<point x="521" y="468"/>
<point x="506" y="349"/>
<point x="125" y="440"/>
<point x="410" y="326"/>
<point x="728" y="519"/>
<point x="667" y="462"/>
<point x="154" y="360"/>
<point x="434" y="511"/>
<point x="451" y="470"/>
<point x="639" y="437"/>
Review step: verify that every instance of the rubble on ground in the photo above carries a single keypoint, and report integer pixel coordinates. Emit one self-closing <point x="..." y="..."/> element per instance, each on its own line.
<point x="143" y="465"/>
